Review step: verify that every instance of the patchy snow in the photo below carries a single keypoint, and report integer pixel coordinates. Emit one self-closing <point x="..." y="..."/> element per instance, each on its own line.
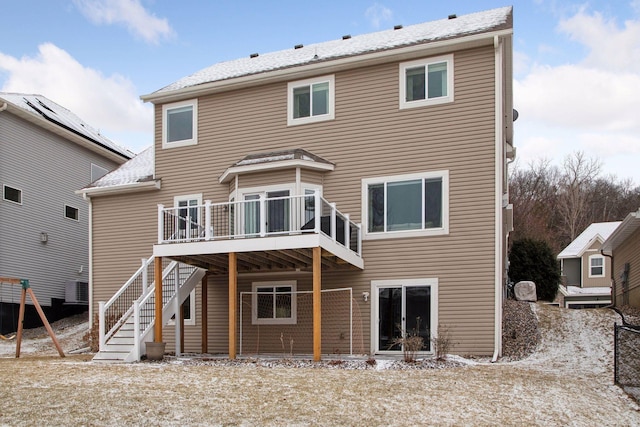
<point x="367" y="43"/>
<point x="567" y="381"/>
<point x="138" y="169"/>
<point x="575" y="290"/>
<point x="597" y="230"/>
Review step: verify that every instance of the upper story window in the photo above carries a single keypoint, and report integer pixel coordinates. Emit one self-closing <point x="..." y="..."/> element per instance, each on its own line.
<point x="426" y="82"/>
<point x="70" y="212"/>
<point x="406" y="205"/>
<point x="311" y="100"/>
<point x="180" y="124"/>
<point x="596" y="266"/>
<point x="11" y="194"/>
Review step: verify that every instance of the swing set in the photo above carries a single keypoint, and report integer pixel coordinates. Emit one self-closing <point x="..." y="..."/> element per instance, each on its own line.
<point x="26" y="289"/>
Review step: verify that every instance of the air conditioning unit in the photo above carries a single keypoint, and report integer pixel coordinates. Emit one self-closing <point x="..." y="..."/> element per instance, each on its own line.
<point x="76" y="292"/>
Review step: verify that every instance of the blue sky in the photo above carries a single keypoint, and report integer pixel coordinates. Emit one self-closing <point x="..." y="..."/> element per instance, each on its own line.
<point x="577" y="64"/>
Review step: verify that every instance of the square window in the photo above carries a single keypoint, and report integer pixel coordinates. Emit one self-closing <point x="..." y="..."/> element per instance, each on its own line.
<point x="179" y="126"/>
<point x="274" y="303"/>
<point x="70" y="212"/>
<point x="11" y="194"/>
<point x="406" y="205"/>
<point x="426" y="82"/>
<point x="311" y="100"/>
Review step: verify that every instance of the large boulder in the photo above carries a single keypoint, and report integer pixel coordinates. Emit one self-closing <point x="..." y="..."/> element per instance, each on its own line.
<point x="525" y="291"/>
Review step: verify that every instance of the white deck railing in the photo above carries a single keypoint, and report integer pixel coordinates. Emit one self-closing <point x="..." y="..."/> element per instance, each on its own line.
<point x="262" y="217"/>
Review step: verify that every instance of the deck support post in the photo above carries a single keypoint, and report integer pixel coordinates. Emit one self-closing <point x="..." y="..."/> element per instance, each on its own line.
<point x="317" y="298"/>
<point x="157" y="273"/>
<point x="233" y="288"/>
<point x="205" y="315"/>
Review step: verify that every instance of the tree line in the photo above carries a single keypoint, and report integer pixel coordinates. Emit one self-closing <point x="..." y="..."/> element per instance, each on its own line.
<point x="556" y="203"/>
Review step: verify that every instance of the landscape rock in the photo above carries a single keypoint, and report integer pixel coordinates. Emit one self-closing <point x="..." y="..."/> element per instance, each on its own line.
<point x="525" y="291"/>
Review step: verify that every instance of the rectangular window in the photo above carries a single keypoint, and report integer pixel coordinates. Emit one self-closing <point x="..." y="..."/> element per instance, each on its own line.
<point x="274" y="303"/>
<point x="406" y="205"/>
<point x="180" y="124"/>
<point x="311" y="100"/>
<point x="596" y="266"/>
<point x="11" y="194"/>
<point x="70" y="212"/>
<point x="426" y="82"/>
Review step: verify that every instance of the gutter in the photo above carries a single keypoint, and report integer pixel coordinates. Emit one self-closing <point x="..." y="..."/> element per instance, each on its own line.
<point x="125" y="188"/>
<point x="4" y="107"/>
<point x="613" y="279"/>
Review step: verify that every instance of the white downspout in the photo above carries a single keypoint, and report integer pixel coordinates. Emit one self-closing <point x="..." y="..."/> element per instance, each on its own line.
<point x="499" y="168"/>
<point x="4" y="107"/>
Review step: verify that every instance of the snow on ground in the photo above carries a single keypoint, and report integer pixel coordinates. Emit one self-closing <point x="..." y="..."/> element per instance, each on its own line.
<point x="567" y="381"/>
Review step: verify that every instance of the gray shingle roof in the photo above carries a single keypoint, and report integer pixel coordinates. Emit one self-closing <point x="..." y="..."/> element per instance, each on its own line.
<point x="474" y="23"/>
<point x="57" y="114"/>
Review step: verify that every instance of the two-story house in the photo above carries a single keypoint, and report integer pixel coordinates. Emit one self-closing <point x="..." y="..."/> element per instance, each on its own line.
<point x="585" y="270"/>
<point x="328" y="198"/>
<point x="46" y="154"/>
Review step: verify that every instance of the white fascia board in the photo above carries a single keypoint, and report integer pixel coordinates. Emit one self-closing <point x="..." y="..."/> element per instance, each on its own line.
<point x="628" y="226"/>
<point x="329" y="66"/>
<point x="283" y="164"/>
<point x="120" y="189"/>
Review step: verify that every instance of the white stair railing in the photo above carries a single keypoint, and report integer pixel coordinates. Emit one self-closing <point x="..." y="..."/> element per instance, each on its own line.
<point x="136" y="298"/>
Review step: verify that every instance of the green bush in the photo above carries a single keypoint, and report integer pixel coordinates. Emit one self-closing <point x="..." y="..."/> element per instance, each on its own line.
<point x="533" y="260"/>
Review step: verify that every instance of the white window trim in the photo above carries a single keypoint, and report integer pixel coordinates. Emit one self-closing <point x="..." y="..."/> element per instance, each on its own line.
<point x="4" y="186"/>
<point x="274" y="321"/>
<point x="602" y="302"/>
<point x="311" y="119"/>
<point x="399" y="283"/>
<point x="192" y="311"/>
<point x="427" y="101"/>
<point x="65" y="213"/>
<point x="603" y="266"/>
<point x="194" y="140"/>
<point x="444" y="230"/>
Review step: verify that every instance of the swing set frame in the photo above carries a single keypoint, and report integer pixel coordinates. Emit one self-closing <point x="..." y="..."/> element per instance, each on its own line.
<point x="26" y="289"/>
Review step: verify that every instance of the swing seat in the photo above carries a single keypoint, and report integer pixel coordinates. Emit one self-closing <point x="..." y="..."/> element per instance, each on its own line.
<point x="9" y="338"/>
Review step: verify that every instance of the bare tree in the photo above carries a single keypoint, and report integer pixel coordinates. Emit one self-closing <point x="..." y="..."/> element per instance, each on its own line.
<point x="578" y="176"/>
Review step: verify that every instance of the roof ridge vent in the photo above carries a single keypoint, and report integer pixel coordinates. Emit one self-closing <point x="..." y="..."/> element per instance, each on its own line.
<point x="453" y="16"/>
<point x="254" y="55"/>
<point x="346" y="37"/>
<point x="298" y="46"/>
<point x="397" y="27"/>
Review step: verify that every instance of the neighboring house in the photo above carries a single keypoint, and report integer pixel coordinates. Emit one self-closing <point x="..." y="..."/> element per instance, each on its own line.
<point x="321" y="199"/>
<point x="623" y="246"/>
<point x="586" y="281"/>
<point x="46" y="154"/>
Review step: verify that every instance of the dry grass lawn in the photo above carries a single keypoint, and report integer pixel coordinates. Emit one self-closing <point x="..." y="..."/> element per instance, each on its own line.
<point x="575" y="389"/>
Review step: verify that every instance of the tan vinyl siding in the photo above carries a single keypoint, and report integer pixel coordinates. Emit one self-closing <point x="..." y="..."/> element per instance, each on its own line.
<point x="370" y="137"/>
<point x="270" y="178"/>
<point x="628" y="252"/>
<point x="590" y="282"/>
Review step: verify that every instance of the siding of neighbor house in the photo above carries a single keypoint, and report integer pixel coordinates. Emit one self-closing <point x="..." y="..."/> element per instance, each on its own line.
<point x="370" y="137"/>
<point x="48" y="169"/>
<point x="571" y="269"/>
<point x="628" y="252"/>
<point x="590" y="282"/>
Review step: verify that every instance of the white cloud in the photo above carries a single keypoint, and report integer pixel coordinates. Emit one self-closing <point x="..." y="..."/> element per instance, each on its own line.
<point x="590" y="106"/>
<point x="129" y="13"/>
<point x="576" y="96"/>
<point x="610" y="47"/>
<point x="377" y="14"/>
<point x="110" y="104"/>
